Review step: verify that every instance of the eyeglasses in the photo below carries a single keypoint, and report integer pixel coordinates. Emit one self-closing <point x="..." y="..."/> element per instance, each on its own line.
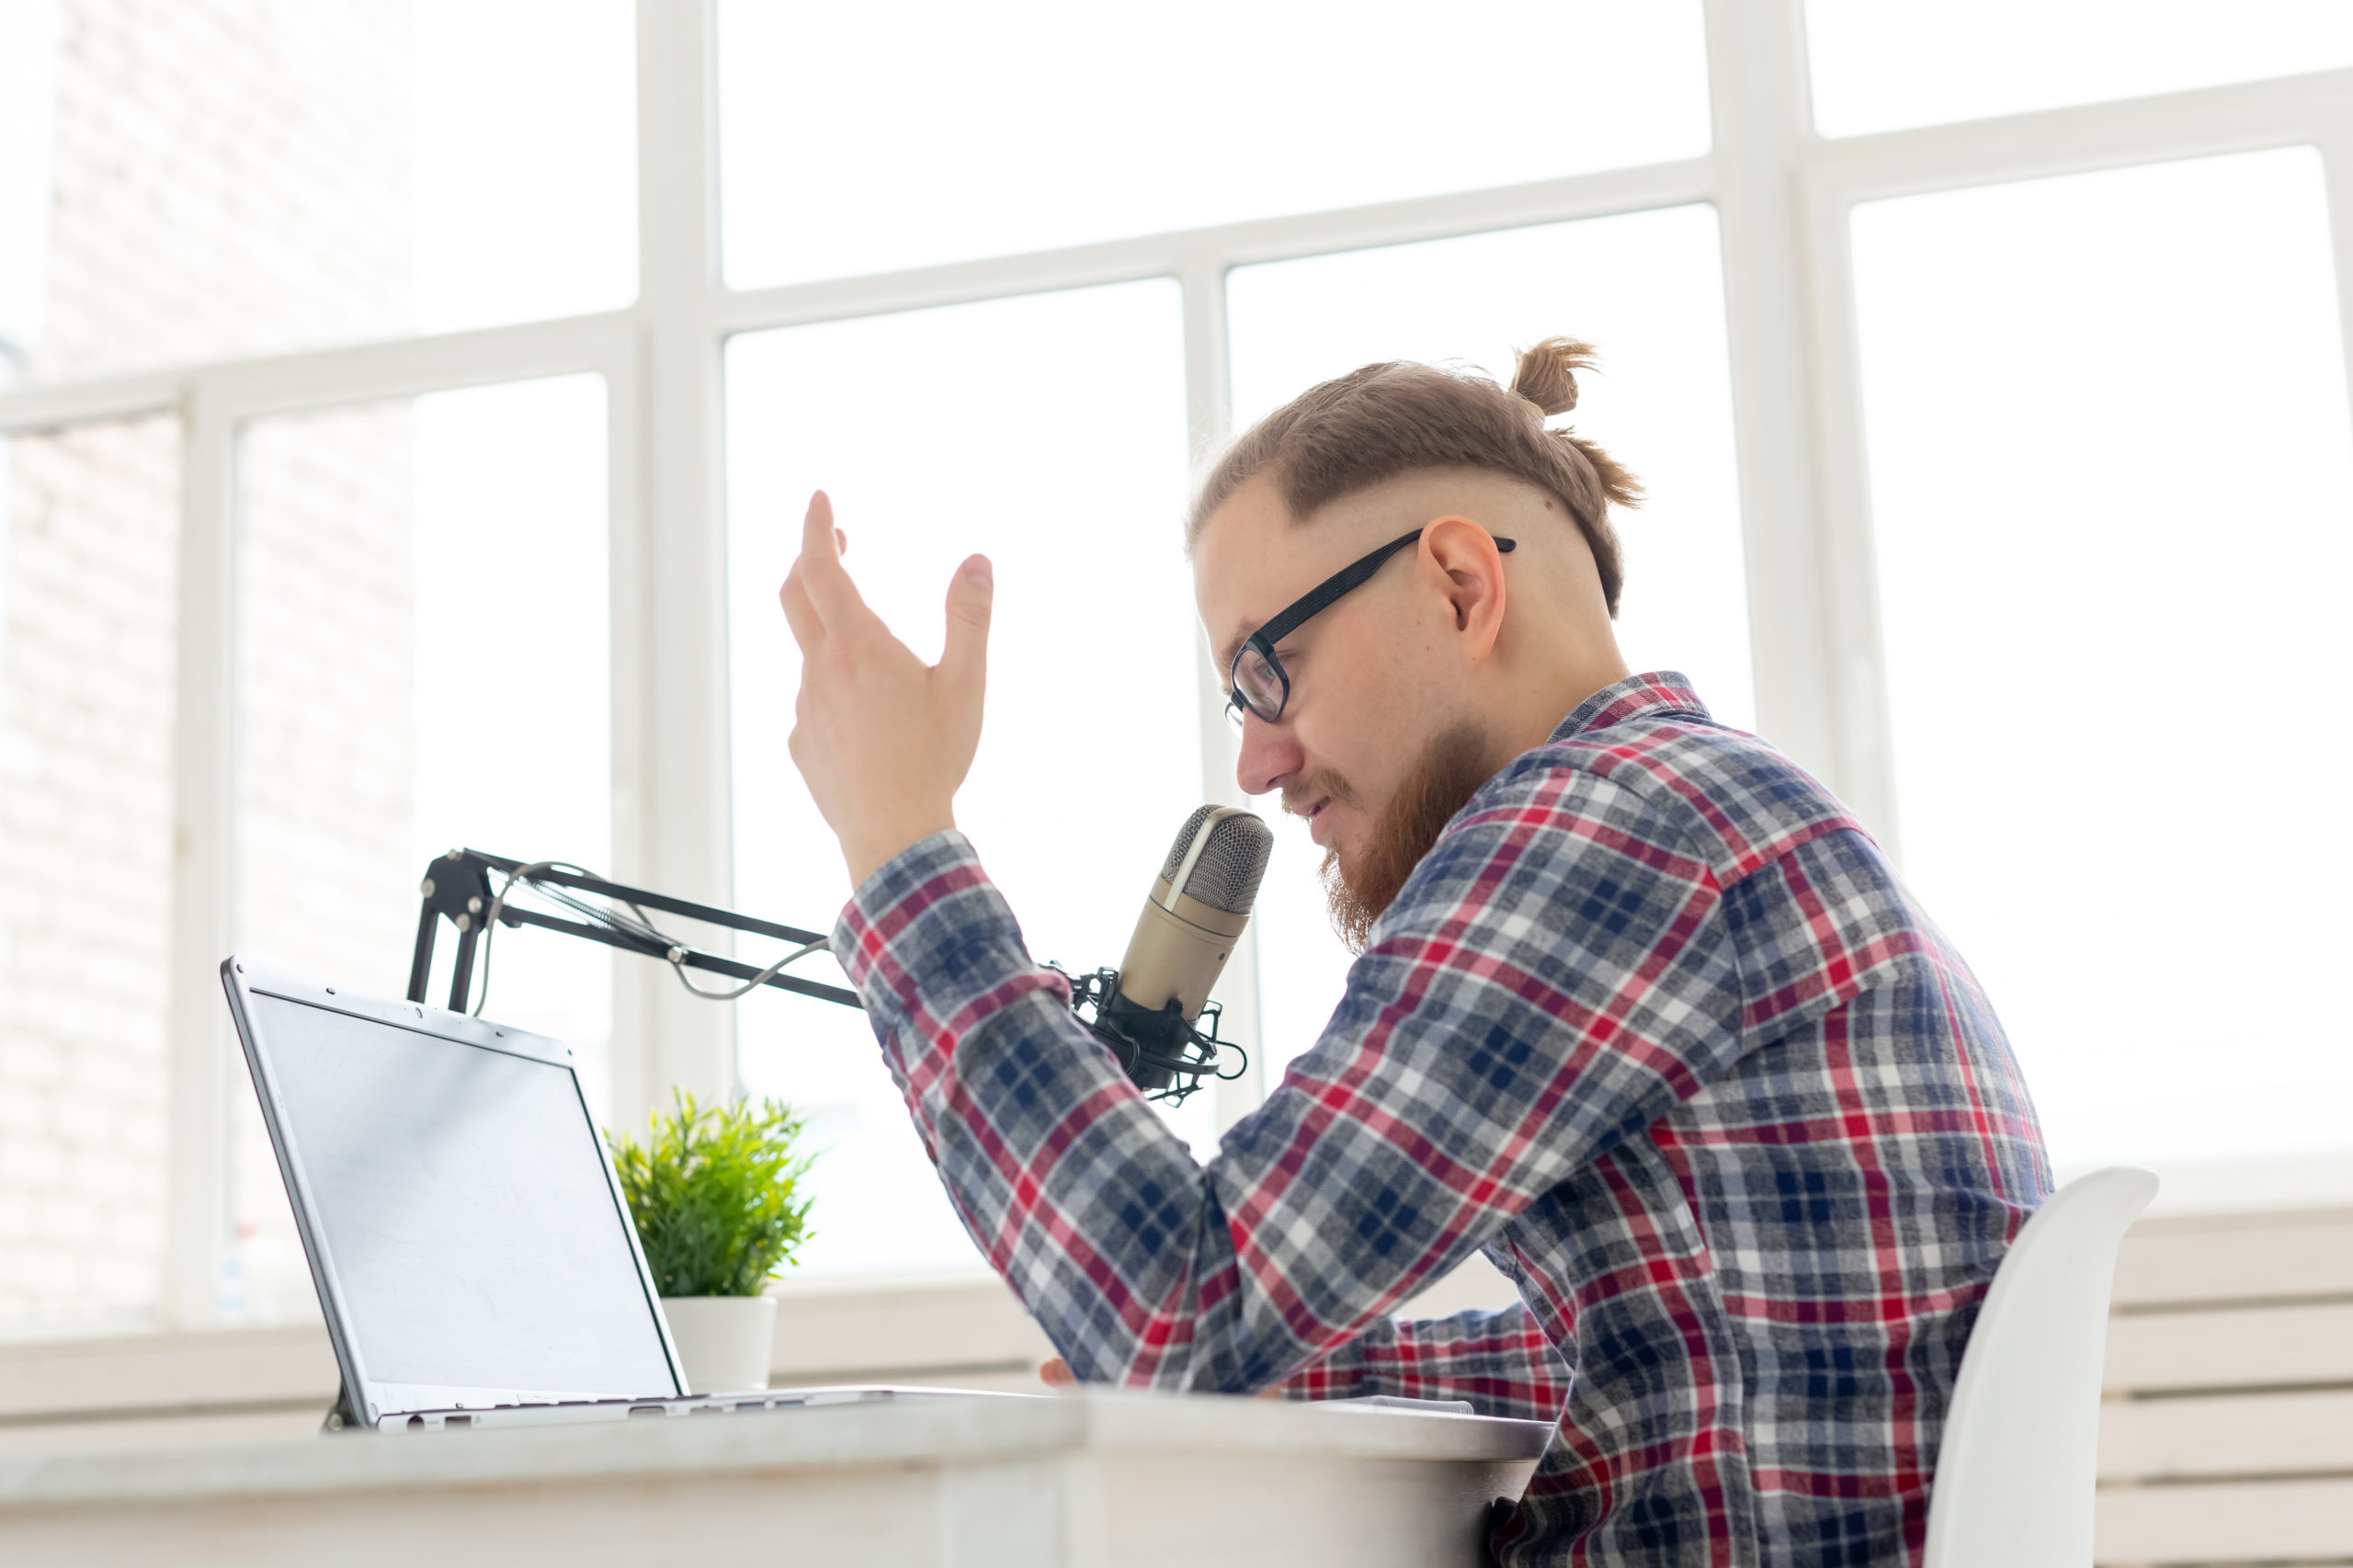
<point x="1257" y="683"/>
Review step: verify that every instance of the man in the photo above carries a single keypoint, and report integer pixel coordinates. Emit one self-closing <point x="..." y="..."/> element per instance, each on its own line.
<point x="1640" y="1011"/>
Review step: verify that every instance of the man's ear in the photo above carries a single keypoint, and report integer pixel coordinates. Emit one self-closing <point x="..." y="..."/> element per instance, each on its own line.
<point x="1465" y="555"/>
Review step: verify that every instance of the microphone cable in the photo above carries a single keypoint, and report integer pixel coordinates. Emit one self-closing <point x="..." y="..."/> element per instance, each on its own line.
<point x="641" y="929"/>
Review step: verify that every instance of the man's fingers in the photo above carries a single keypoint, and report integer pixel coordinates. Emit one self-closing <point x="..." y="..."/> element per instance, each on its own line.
<point x="799" y="613"/>
<point x="831" y="593"/>
<point x="1055" y="1373"/>
<point x="964" y="656"/>
<point x="817" y="529"/>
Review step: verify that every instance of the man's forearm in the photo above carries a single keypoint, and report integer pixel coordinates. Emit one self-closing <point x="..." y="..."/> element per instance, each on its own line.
<point x="1499" y="1361"/>
<point x="1075" y="1190"/>
<point x="1126" y="1250"/>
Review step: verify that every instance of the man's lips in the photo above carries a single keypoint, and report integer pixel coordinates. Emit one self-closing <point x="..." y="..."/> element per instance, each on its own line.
<point x="1317" y="819"/>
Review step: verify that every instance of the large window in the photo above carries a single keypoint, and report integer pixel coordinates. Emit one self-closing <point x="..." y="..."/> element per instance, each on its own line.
<point x="935" y="131"/>
<point x="412" y="405"/>
<point x="2112" y="480"/>
<point x="290" y="627"/>
<point x="422" y="664"/>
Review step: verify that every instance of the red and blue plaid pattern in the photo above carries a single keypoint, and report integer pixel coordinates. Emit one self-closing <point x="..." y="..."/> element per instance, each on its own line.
<point x="1655" y="1028"/>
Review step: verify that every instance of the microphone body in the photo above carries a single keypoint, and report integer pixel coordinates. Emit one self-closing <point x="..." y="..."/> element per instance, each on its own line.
<point x="1199" y="906"/>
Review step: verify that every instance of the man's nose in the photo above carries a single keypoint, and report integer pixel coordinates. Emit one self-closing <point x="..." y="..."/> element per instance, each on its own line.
<point x="1270" y="753"/>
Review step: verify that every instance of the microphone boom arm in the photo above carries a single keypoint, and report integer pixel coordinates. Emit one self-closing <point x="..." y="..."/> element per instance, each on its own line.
<point x="457" y="887"/>
<point x="1164" y="1056"/>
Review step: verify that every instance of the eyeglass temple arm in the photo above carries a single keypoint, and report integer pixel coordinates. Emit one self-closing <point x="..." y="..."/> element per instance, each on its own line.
<point x="1320" y="598"/>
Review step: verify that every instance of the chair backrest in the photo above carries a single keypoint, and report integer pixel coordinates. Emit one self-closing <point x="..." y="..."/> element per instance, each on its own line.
<point x="2019" y="1461"/>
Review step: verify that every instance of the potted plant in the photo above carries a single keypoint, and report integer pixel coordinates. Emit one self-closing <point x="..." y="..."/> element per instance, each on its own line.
<point x="719" y="1200"/>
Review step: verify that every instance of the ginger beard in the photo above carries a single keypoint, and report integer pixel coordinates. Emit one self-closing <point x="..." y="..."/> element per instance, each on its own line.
<point x="1359" y="887"/>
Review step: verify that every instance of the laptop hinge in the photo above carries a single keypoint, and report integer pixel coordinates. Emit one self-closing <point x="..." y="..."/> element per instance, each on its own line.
<point x="344" y="1415"/>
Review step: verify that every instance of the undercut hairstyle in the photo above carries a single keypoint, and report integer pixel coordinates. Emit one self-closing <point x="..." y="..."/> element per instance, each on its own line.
<point x="1373" y="423"/>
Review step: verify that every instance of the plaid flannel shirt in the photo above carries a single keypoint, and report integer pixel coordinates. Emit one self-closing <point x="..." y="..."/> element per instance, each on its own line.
<point x="1655" y="1026"/>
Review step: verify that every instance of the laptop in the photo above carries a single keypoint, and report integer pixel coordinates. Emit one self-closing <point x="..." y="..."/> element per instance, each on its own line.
<point x="473" y="1254"/>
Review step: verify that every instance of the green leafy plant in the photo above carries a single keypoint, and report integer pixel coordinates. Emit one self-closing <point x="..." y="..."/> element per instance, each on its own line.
<point x="717" y="1194"/>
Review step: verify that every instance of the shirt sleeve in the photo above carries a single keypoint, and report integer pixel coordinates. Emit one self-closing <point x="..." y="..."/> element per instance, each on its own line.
<point x="1500" y="1362"/>
<point x="1554" y="976"/>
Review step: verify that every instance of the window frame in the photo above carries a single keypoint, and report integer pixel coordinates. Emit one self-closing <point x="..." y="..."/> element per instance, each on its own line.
<point x="1783" y="196"/>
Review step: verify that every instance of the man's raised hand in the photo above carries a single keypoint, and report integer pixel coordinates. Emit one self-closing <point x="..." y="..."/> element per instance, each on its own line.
<point x="883" y="739"/>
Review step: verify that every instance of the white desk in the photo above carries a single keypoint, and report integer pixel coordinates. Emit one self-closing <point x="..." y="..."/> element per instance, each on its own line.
<point x="1096" y="1480"/>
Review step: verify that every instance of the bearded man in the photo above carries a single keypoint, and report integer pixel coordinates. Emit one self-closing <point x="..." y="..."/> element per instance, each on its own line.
<point x="1640" y="1011"/>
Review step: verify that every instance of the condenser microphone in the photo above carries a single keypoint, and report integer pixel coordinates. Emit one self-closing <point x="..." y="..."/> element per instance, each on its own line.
<point x="1199" y="906"/>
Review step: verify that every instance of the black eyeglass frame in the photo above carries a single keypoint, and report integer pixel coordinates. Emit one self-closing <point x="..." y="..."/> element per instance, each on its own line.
<point x="1298" y="613"/>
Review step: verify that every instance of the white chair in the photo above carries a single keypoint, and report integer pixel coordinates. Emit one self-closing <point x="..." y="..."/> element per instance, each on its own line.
<point x="2015" y="1478"/>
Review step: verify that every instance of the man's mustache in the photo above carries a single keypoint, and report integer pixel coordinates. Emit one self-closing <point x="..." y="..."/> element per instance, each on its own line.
<point x="1324" y="785"/>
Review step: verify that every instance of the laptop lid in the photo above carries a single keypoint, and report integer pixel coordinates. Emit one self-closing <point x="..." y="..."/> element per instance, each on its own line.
<point x="470" y="1243"/>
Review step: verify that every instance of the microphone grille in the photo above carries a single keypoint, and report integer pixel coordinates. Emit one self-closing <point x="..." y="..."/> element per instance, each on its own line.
<point x="1184" y="842"/>
<point x="1231" y="865"/>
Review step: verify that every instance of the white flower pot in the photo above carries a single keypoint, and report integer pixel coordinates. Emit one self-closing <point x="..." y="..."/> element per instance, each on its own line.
<point x="723" y="1341"/>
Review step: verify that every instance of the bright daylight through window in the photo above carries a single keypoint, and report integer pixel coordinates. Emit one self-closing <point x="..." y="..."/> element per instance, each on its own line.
<point x="2113" y="463"/>
<point x="1991" y="414"/>
<point x="421" y="596"/>
<point x="422" y="664"/>
<point x="938" y="132"/>
<point x="1048" y="431"/>
<point x="1881" y="65"/>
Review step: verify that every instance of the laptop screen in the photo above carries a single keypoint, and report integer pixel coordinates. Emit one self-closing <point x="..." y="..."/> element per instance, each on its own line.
<point x="461" y="1201"/>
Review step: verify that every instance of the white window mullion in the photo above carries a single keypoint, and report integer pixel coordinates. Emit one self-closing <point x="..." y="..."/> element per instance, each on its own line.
<point x="2336" y="160"/>
<point x="1812" y="626"/>
<point x="1858" y="686"/>
<point x="678" y="766"/>
<point x="2240" y="117"/>
<point x="1606" y="193"/>
<point x="204" y="787"/>
<point x="1209" y="399"/>
<point x="629" y="605"/>
<point x="55" y="406"/>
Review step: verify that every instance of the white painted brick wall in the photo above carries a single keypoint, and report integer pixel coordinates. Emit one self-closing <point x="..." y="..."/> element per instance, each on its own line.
<point x="86" y="851"/>
<point x="229" y="176"/>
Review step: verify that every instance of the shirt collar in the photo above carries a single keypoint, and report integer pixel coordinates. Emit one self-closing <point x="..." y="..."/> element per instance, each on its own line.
<point x="1650" y="695"/>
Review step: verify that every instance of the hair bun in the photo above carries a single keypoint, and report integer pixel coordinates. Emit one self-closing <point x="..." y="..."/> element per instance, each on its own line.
<point x="1546" y="375"/>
